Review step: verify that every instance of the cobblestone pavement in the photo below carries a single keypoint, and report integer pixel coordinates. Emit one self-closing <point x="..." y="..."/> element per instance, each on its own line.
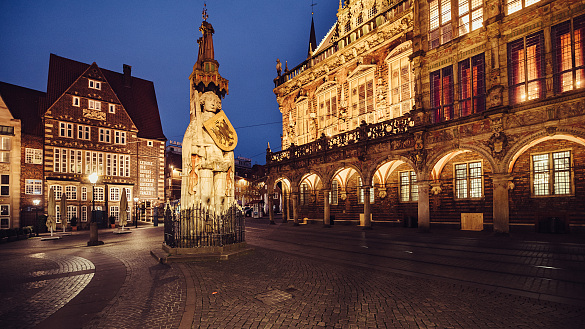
<point x="299" y="277"/>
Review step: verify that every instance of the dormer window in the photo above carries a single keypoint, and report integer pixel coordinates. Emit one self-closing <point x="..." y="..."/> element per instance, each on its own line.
<point x="93" y="84"/>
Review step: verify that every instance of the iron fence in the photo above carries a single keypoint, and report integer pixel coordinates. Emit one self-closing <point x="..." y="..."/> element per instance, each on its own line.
<point x="202" y="227"/>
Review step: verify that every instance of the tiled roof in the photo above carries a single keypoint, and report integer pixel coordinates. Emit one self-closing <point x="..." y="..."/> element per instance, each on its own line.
<point x="25" y="104"/>
<point x="139" y="98"/>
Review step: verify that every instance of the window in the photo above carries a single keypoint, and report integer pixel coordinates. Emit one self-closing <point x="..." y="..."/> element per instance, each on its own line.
<point x="334" y="195"/>
<point x="442" y="94"/>
<point x="149" y="143"/>
<point x="361" y="192"/>
<point x="440" y="23"/>
<point x="83" y="132"/>
<point x="112" y="108"/>
<point x="5" y="149"/>
<point x="34" y="156"/>
<point x="468" y="180"/>
<point x="58" y="213"/>
<point x="119" y="137"/>
<point x="58" y="190"/>
<point x="83" y="193"/>
<point x="551" y="174"/>
<point x="470" y="15"/>
<point x="114" y="194"/>
<point x="408" y="186"/>
<point x="71" y="212"/>
<point x="304" y="193"/>
<point x="302" y="122"/>
<point x="516" y="5"/>
<point x="67" y="161"/>
<point x="93" y="84"/>
<point x="99" y="193"/>
<point x="76" y="101"/>
<point x="71" y="192"/>
<point x="94" y="105"/>
<point x="4" y="185"/>
<point x="526" y="68"/>
<point x="362" y="94"/>
<point x="471" y="85"/>
<point x="84" y="213"/>
<point x="33" y="186"/>
<point x="115" y="212"/>
<point x="104" y="135"/>
<point x="65" y="129"/>
<point x="5" y="213"/>
<point x="327" y="110"/>
<point x="568" y="53"/>
<point x="401" y="86"/>
<point x="128" y="193"/>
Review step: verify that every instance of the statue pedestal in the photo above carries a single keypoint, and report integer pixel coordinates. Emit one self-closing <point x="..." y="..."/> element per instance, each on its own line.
<point x="173" y="255"/>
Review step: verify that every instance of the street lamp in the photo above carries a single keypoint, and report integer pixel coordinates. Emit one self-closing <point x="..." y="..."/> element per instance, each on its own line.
<point x="136" y="212"/>
<point x="37" y="202"/>
<point x="93" y="229"/>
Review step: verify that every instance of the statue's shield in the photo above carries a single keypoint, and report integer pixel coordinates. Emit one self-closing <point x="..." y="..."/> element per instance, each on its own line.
<point x="222" y="132"/>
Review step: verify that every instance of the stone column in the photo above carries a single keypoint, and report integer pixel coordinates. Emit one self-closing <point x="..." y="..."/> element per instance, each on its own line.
<point x="501" y="203"/>
<point x="424" y="215"/>
<point x="367" y="221"/>
<point x="326" y="211"/>
<point x="271" y="208"/>
<point x="295" y="205"/>
<point x="286" y="217"/>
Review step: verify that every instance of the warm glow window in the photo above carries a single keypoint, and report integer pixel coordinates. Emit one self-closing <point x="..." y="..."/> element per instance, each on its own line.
<point x="34" y="156"/>
<point x="526" y="68"/>
<point x="84" y="213"/>
<point x="71" y="192"/>
<point x="408" y="186"/>
<point x="33" y="186"/>
<point x="551" y="174"/>
<point x="114" y="194"/>
<point x="440" y="23"/>
<point x="99" y="194"/>
<point x="472" y="85"/>
<point x="302" y="122"/>
<point x="442" y="94"/>
<point x="362" y="193"/>
<point x="327" y="110"/>
<point x="94" y="105"/>
<point x="470" y="15"/>
<point x="334" y="195"/>
<point x="568" y="54"/>
<point x="362" y="94"/>
<point x="115" y="212"/>
<point x="304" y="193"/>
<point x="58" y="189"/>
<point x="468" y="180"/>
<point x="401" y="86"/>
<point x="84" y="193"/>
<point x="516" y="5"/>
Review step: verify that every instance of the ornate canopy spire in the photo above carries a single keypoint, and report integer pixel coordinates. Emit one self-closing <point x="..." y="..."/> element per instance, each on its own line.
<point x="205" y="76"/>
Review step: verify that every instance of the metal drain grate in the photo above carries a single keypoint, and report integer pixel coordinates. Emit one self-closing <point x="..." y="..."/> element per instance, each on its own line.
<point x="274" y="296"/>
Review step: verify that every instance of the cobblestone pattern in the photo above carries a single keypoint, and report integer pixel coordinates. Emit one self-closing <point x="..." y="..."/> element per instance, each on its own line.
<point x="152" y="296"/>
<point x="43" y="292"/>
<point x="336" y="296"/>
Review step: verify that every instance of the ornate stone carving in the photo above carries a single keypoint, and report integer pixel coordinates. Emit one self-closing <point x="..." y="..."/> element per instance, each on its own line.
<point x="498" y="143"/>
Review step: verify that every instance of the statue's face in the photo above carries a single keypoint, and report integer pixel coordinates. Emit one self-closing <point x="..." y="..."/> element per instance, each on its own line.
<point x="210" y="102"/>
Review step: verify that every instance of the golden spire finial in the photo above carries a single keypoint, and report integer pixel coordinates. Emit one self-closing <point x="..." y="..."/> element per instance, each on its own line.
<point x="204" y="14"/>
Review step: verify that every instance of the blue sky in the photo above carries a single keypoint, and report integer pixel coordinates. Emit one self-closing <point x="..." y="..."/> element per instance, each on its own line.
<point x="158" y="38"/>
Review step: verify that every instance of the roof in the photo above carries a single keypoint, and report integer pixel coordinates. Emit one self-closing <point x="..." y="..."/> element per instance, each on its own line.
<point x="138" y="97"/>
<point x="26" y="105"/>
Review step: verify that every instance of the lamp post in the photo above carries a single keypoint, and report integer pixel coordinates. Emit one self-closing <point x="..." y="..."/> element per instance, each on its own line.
<point x="136" y="212"/>
<point x="36" y="202"/>
<point x="93" y="228"/>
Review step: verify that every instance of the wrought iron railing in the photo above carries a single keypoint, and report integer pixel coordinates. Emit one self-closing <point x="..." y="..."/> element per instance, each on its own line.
<point x="202" y="227"/>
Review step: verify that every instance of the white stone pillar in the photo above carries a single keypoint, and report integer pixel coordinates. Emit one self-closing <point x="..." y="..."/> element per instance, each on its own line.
<point x="501" y="203"/>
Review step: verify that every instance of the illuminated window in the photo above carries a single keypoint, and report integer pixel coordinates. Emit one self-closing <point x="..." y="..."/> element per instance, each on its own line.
<point x="34" y="156"/>
<point x="334" y="195"/>
<point x="115" y="212"/>
<point x="114" y="194"/>
<point x="83" y="193"/>
<point x="94" y="105"/>
<point x="408" y="186"/>
<point x="442" y="94"/>
<point x="401" y="86"/>
<point x="551" y="174"/>
<point x="471" y="85"/>
<point x="33" y="186"/>
<point x="327" y="109"/>
<point x="93" y="84"/>
<point x="516" y="5"/>
<point x="71" y="192"/>
<point x="302" y="122"/>
<point x="440" y="23"/>
<point x="84" y="213"/>
<point x="99" y="194"/>
<point x="470" y="15"/>
<point x="468" y="180"/>
<point x="361" y="192"/>
<point x="568" y="53"/>
<point x="304" y="193"/>
<point x="526" y="68"/>
<point x="361" y="96"/>
<point x="58" y="189"/>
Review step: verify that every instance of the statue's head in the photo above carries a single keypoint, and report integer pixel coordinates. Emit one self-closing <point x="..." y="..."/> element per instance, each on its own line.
<point x="210" y="102"/>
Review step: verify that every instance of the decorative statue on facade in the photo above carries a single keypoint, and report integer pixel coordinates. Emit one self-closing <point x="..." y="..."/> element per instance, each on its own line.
<point x="209" y="141"/>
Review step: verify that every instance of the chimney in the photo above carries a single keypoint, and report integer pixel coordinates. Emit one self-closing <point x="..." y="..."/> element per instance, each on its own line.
<point x="127" y="75"/>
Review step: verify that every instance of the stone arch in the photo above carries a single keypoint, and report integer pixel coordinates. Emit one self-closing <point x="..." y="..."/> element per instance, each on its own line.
<point x="577" y="136"/>
<point x="286" y="182"/>
<point x="379" y="163"/>
<point x="313" y="178"/>
<point x="437" y="161"/>
<point x="343" y="177"/>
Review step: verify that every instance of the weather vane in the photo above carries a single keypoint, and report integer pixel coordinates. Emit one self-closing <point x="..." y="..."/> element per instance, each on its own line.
<point x="312" y="7"/>
<point x="204" y="14"/>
